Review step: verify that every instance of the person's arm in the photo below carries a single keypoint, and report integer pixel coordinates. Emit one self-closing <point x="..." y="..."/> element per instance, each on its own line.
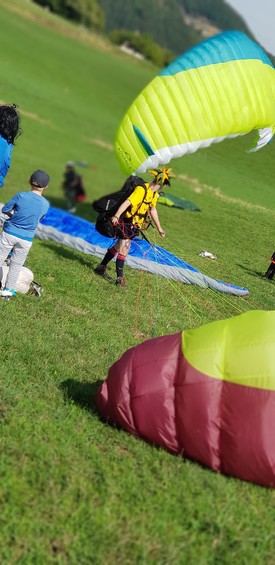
<point x="75" y="181"/>
<point x="155" y="218"/>
<point x="43" y="216"/>
<point x="8" y="207"/>
<point x="5" y="161"/>
<point x="119" y="212"/>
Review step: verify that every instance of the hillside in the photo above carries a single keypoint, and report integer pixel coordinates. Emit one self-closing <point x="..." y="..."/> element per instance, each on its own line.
<point x="74" y="490"/>
<point x="174" y="24"/>
<point x="157" y="29"/>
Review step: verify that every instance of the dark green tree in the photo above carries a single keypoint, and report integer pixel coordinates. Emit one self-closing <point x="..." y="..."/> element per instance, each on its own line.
<point x="86" y="12"/>
<point x="142" y="43"/>
<point x="161" y="19"/>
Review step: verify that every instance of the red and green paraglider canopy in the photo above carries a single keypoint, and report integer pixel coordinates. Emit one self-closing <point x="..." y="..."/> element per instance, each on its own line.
<point x="207" y="393"/>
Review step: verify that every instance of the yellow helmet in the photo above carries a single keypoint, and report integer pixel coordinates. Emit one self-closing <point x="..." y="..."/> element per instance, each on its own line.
<point x="162" y="176"/>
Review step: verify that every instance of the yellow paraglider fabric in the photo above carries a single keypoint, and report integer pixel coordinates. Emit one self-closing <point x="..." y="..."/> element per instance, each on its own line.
<point x="207" y="394"/>
<point x="221" y="88"/>
<point x="230" y="350"/>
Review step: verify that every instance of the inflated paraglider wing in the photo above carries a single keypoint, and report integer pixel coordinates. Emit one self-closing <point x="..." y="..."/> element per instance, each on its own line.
<point x="223" y="87"/>
<point x="207" y="393"/>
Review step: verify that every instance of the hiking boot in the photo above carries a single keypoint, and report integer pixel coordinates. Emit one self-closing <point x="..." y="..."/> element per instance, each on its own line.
<point x="121" y="282"/>
<point x="100" y="270"/>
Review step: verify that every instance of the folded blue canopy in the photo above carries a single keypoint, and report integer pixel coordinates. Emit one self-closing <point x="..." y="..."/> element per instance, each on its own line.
<point x="63" y="227"/>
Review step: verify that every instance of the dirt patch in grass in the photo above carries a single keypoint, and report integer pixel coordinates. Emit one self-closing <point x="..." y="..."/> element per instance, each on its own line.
<point x="102" y="144"/>
<point x="32" y="116"/>
<point x="199" y="188"/>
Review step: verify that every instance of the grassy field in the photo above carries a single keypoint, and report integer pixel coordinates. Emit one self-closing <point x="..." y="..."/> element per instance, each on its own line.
<point x="72" y="489"/>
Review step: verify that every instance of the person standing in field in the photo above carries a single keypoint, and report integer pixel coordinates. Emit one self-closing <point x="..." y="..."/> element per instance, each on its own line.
<point x="73" y="187"/>
<point x="130" y="219"/>
<point x="25" y="211"/>
<point x="9" y="131"/>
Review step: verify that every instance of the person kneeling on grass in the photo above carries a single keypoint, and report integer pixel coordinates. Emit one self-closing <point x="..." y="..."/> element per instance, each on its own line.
<point x="25" y="211"/>
<point x="130" y="219"/>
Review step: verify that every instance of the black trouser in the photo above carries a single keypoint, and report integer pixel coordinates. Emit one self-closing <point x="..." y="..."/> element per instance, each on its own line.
<point x="270" y="271"/>
<point x="70" y="197"/>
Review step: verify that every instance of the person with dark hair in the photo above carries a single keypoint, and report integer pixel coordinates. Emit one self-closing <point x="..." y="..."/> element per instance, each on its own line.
<point x="9" y="131"/>
<point x="25" y="210"/>
<point x="129" y="219"/>
<point x="73" y="187"/>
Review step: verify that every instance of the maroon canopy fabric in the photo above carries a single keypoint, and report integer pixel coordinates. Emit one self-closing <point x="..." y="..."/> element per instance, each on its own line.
<point x="153" y="392"/>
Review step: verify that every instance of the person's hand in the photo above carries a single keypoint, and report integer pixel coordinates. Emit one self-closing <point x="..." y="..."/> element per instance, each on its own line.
<point x="114" y="220"/>
<point x="161" y="233"/>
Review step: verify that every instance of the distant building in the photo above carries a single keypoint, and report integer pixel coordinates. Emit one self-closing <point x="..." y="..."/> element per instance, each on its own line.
<point x="126" y="48"/>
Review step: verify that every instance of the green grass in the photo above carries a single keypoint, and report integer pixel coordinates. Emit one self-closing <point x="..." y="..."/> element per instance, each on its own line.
<point x="74" y="490"/>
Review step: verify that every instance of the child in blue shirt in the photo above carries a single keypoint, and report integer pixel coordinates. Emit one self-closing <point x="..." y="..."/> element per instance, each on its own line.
<point x="25" y="211"/>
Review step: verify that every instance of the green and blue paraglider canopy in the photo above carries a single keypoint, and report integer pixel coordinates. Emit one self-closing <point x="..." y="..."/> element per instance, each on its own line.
<point x="221" y="88"/>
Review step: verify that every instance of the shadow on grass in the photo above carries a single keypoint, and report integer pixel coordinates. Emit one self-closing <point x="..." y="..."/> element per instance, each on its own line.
<point x="83" y="394"/>
<point x="252" y="272"/>
<point x="89" y="261"/>
<point x="83" y="210"/>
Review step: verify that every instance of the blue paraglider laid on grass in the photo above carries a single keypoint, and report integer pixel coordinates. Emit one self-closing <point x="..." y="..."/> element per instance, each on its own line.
<point x="82" y="235"/>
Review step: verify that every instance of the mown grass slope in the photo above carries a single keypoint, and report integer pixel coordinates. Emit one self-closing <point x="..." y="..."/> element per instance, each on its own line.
<point x="72" y="489"/>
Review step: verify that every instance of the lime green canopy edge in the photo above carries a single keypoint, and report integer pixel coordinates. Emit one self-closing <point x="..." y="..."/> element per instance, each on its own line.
<point x="239" y="350"/>
<point x="222" y="88"/>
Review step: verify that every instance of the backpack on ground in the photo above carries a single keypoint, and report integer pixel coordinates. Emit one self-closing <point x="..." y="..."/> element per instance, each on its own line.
<point x="108" y="205"/>
<point x="25" y="283"/>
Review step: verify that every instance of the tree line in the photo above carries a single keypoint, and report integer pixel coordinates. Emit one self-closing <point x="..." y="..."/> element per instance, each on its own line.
<point x="155" y="28"/>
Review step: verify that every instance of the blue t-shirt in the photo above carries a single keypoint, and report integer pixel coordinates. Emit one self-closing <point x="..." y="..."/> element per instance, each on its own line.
<point x="29" y="209"/>
<point x="5" y="158"/>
